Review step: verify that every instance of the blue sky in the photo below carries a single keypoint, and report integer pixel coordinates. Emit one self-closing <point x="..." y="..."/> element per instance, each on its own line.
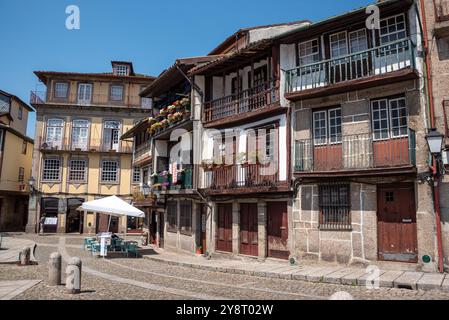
<point x="151" y="34"/>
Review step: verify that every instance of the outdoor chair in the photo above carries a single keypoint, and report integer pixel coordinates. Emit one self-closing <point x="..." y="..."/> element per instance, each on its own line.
<point x="132" y="247"/>
<point x="118" y="244"/>
<point x="95" y="247"/>
<point x="88" y="243"/>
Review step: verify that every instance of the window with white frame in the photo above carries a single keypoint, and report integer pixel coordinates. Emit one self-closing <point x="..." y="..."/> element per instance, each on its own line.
<point x="121" y="70"/>
<point x="61" y="89"/>
<point x="392" y="29"/>
<point x="77" y="170"/>
<point x="21" y="174"/>
<point x="327" y="126"/>
<point x="309" y="52"/>
<point x="111" y="135"/>
<point x="116" y="93"/>
<point x="389" y="118"/>
<point x="80" y="134"/>
<point x="51" y="169"/>
<point x="109" y="171"/>
<point x="54" y="132"/>
<point x="338" y="44"/>
<point x="136" y="175"/>
<point x="358" y="41"/>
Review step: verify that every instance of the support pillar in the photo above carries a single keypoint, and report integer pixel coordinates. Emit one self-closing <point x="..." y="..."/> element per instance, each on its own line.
<point x="235" y="227"/>
<point x="262" y="228"/>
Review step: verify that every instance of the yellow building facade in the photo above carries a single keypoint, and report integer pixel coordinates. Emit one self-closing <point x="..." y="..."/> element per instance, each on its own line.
<point x="78" y="154"/>
<point x="16" y="150"/>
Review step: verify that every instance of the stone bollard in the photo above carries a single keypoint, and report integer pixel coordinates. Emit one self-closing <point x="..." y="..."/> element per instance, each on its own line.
<point x="54" y="269"/>
<point x="25" y="256"/>
<point x="73" y="272"/>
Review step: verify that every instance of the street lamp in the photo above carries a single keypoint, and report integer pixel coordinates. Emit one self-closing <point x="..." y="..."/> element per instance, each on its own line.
<point x="31" y="183"/>
<point x="435" y="144"/>
<point x="146" y="189"/>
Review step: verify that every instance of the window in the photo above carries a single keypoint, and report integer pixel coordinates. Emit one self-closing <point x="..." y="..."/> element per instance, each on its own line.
<point x="389" y="118"/>
<point x="109" y="171"/>
<point x="51" y="169"/>
<point x="20" y="113"/>
<point x="21" y="174"/>
<point x="335" y="208"/>
<point x="116" y="93"/>
<point x="80" y="134"/>
<point x="358" y="41"/>
<point x="24" y="147"/>
<point x="54" y="132"/>
<point x="136" y="175"/>
<point x="327" y="126"/>
<point x="186" y="217"/>
<point x="121" y="70"/>
<point x="61" y="89"/>
<point x="392" y="29"/>
<point x="77" y="171"/>
<point x="111" y="135"/>
<point x="1" y="138"/>
<point x="389" y="196"/>
<point x="338" y="45"/>
<point x="309" y="52"/>
<point x="172" y="216"/>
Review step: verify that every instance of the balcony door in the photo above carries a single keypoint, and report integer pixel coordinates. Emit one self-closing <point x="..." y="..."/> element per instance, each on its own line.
<point x="111" y="135"/>
<point x="80" y="135"/>
<point x="54" y="133"/>
<point x="84" y="93"/>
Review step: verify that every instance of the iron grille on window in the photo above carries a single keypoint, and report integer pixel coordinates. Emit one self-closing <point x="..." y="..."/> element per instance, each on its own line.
<point x="186" y="217"/>
<point x="77" y="170"/>
<point x="335" y="208"/>
<point x="172" y="216"/>
<point x="51" y="170"/>
<point x="109" y="171"/>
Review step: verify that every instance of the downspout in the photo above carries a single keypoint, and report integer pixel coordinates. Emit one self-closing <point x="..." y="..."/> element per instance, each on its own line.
<point x="436" y="186"/>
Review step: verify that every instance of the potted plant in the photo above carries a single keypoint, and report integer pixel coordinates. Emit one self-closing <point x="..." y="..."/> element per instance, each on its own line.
<point x="207" y="164"/>
<point x="186" y="114"/>
<point x="151" y="121"/>
<point x="171" y="109"/>
<point x="164" y="123"/>
<point x="199" y="250"/>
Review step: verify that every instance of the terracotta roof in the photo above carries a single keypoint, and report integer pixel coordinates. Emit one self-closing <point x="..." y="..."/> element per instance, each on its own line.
<point x="173" y="75"/>
<point x="42" y="75"/>
<point x="17" y="99"/>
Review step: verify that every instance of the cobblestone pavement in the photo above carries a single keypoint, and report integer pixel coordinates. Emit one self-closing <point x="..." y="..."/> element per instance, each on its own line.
<point x="130" y="278"/>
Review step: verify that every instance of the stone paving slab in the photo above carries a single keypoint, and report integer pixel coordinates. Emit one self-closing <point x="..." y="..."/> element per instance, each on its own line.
<point x="408" y="279"/>
<point x="312" y="273"/>
<point x="336" y="276"/>
<point x="431" y="281"/>
<point x="10" y="289"/>
<point x="11" y="248"/>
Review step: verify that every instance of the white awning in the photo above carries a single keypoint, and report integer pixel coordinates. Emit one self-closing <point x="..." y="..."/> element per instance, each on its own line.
<point x="113" y="206"/>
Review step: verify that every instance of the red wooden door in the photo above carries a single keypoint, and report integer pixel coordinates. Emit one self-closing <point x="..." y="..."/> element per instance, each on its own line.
<point x="224" y="234"/>
<point x="248" y="229"/>
<point x="397" y="235"/>
<point x="277" y="230"/>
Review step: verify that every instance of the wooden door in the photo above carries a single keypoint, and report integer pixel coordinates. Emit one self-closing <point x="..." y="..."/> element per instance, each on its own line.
<point x="224" y="227"/>
<point x="277" y="230"/>
<point x="161" y="224"/>
<point x="248" y="229"/>
<point x="397" y="235"/>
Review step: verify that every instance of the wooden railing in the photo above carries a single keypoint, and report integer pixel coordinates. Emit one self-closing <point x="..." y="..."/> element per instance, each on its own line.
<point x="240" y="176"/>
<point x="441" y="10"/>
<point x="355" y="152"/>
<point x="142" y="151"/>
<point x="373" y="62"/>
<point x="245" y="101"/>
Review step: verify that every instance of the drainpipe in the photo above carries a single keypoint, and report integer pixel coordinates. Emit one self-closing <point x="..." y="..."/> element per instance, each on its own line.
<point x="436" y="185"/>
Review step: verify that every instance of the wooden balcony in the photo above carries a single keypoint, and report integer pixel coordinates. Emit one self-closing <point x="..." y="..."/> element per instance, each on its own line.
<point x="243" y="178"/>
<point x="94" y="145"/>
<point x="247" y="103"/>
<point x="355" y="155"/>
<point x="377" y="66"/>
<point x="142" y="154"/>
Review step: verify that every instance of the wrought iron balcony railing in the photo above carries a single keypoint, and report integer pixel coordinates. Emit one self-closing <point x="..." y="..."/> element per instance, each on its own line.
<point x="245" y="101"/>
<point x="93" y="145"/>
<point x="129" y="101"/>
<point x="373" y="62"/>
<point x="355" y="152"/>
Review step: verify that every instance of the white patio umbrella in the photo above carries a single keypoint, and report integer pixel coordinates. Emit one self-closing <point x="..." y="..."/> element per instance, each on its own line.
<point x="113" y="206"/>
